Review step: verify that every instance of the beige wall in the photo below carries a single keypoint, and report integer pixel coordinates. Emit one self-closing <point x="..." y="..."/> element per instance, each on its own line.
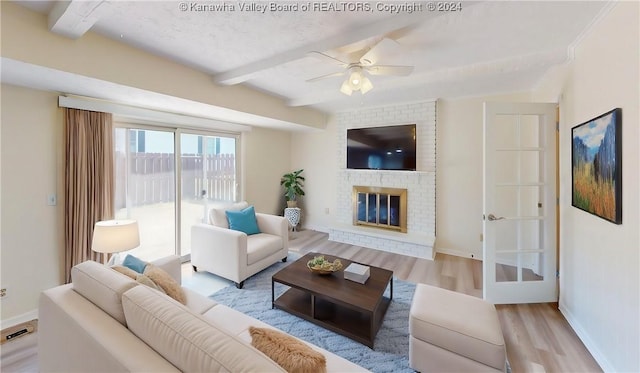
<point x="26" y="38"/>
<point x="459" y="172"/>
<point x="265" y="155"/>
<point x="32" y="168"/>
<point x="316" y="152"/>
<point x="600" y="261"/>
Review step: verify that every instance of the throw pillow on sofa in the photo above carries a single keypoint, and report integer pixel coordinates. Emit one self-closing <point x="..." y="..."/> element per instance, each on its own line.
<point x="161" y="278"/>
<point x="139" y="277"/>
<point x="243" y="220"/>
<point x="291" y="354"/>
<point x="134" y="263"/>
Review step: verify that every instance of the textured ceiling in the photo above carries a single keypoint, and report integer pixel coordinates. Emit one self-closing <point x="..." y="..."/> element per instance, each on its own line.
<point x="483" y="48"/>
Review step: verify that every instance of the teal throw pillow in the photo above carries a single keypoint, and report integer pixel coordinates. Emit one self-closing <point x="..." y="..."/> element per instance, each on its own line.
<point x="243" y="220"/>
<point x="134" y="263"/>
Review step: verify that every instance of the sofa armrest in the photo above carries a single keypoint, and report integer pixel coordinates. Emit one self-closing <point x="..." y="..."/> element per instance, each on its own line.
<point x="274" y="224"/>
<point x="172" y="264"/>
<point x="219" y="250"/>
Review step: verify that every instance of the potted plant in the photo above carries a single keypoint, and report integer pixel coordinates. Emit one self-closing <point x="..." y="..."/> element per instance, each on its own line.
<point x="292" y="183"/>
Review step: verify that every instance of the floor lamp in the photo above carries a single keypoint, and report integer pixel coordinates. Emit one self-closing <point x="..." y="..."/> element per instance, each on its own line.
<point x="114" y="236"/>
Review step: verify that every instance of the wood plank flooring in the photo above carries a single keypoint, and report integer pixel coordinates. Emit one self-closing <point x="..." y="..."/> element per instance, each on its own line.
<point x="538" y="337"/>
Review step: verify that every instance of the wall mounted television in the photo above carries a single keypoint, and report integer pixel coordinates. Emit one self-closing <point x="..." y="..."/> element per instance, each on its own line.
<point x="382" y="148"/>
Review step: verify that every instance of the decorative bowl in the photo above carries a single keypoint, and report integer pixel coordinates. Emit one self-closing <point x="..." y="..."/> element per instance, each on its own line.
<point x="322" y="266"/>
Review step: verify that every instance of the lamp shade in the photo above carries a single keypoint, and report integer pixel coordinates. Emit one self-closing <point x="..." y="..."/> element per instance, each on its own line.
<point x="113" y="236"/>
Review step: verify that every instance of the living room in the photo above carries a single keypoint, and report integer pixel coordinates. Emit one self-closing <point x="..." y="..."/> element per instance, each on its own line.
<point x="599" y="284"/>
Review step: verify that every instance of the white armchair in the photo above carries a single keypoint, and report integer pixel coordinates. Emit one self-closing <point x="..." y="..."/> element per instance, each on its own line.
<point x="235" y="255"/>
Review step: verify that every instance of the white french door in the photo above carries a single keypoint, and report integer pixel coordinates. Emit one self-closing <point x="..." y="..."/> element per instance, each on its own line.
<point x="519" y="209"/>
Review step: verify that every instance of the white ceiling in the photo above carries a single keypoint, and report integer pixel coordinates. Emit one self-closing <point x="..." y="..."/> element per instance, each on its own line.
<point x="486" y="48"/>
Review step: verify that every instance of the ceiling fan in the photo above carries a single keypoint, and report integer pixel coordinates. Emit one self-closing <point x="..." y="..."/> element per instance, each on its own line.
<point x="366" y="64"/>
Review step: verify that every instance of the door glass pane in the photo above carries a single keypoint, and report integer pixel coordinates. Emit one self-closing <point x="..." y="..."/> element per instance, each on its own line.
<point x="145" y="188"/>
<point x="518" y="237"/>
<point x="515" y="201"/>
<point x="519" y="167"/>
<point x="532" y="267"/>
<point x="208" y="176"/>
<point x="506" y="267"/>
<point x="517" y="131"/>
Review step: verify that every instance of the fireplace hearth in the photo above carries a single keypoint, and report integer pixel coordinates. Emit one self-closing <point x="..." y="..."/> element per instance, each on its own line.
<point x="380" y="207"/>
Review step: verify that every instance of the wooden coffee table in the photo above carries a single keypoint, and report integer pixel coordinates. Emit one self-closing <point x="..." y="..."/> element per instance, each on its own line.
<point x="343" y="306"/>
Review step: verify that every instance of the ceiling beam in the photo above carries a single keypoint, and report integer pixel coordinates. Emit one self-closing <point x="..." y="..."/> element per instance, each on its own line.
<point x="383" y="27"/>
<point x="74" y="18"/>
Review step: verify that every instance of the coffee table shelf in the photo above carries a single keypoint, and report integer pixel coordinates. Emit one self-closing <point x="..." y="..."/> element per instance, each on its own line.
<point x="342" y="306"/>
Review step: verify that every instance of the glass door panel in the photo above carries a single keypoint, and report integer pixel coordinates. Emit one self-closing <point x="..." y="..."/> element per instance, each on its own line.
<point x="145" y="188"/>
<point x="208" y="175"/>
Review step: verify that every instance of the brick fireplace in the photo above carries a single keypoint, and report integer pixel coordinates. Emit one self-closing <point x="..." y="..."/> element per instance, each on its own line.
<point x="418" y="237"/>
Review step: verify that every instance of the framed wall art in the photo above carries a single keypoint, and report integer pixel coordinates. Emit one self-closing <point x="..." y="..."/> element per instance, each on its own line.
<point x="596" y="166"/>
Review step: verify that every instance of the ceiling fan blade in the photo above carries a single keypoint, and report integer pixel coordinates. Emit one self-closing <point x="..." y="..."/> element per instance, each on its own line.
<point x="325" y="76"/>
<point x="389" y="70"/>
<point x="328" y="58"/>
<point x="386" y="47"/>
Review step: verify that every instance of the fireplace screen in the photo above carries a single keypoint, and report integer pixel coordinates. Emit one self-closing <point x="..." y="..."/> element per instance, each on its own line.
<point x="380" y="207"/>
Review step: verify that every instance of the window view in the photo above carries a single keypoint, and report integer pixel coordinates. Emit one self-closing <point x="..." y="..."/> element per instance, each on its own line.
<point x="145" y="188"/>
<point x="146" y="185"/>
<point x="208" y="176"/>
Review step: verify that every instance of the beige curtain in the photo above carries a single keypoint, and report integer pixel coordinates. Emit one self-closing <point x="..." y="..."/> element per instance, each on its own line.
<point x="89" y="182"/>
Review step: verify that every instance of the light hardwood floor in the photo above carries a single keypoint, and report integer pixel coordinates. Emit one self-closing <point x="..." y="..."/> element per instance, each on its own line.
<point x="538" y="337"/>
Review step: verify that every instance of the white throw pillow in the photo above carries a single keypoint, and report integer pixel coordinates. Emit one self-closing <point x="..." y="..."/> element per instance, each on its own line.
<point x="217" y="216"/>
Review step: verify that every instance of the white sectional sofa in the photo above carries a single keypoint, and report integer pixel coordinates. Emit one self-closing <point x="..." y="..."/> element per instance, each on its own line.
<point x="105" y="321"/>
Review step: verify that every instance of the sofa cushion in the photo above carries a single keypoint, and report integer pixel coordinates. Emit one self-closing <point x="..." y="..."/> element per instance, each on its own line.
<point x="218" y="217"/>
<point x="187" y="340"/>
<point x="290" y="353"/>
<point x="261" y="245"/>
<point x="238" y="324"/>
<point x="102" y="286"/>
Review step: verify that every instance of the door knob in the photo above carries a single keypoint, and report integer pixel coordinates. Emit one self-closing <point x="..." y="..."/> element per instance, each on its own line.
<point x="492" y="217"/>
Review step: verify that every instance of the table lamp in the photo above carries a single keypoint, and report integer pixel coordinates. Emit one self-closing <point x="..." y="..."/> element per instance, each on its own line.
<point x="114" y="236"/>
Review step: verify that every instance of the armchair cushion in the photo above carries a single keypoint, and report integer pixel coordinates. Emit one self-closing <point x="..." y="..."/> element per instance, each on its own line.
<point x="218" y="217"/>
<point x="260" y="246"/>
<point x="243" y="220"/>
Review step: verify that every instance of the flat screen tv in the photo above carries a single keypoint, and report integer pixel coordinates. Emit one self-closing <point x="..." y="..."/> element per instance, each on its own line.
<point x="382" y="148"/>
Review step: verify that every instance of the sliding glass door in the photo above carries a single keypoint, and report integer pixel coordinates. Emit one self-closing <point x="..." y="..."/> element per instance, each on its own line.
<point x="145" y="188"/>
<point x="168" y="196"/>
<point x="208" y="175"/>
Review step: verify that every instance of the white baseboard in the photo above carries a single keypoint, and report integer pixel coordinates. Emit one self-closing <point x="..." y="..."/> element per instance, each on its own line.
<point x="13" y="321"/>
<point x="460" y="253"/>
<point x="600" y="358"/>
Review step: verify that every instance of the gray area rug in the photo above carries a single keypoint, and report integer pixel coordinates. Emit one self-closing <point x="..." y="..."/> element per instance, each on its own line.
<point x="391" y="347"/>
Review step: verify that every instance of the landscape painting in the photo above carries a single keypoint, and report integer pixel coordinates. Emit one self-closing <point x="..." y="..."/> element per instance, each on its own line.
<point x="596" y="156"/>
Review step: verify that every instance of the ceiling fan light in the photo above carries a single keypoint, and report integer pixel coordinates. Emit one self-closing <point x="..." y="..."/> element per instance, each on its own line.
<point x="366" y="85"/>
<point x="355" y="79"/>
<point x="346" y="88"/>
